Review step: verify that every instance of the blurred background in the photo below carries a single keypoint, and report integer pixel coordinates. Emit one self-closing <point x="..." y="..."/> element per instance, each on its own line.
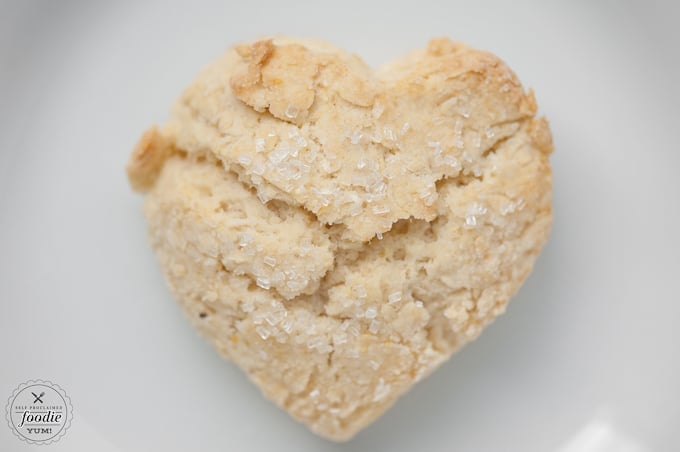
<point x="587" y="357"/>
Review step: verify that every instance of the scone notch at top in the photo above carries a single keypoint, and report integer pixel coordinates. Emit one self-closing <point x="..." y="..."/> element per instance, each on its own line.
<point x="315" y="127"/>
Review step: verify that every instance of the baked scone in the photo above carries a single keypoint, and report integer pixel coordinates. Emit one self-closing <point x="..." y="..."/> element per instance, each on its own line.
<point x="339" y="232"/>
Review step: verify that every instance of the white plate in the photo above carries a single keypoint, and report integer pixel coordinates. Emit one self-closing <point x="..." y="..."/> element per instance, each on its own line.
<point x="587" y="357"/>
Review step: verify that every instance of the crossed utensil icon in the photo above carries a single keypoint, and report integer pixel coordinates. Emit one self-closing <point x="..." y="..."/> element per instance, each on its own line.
<point x="38" y="398"/>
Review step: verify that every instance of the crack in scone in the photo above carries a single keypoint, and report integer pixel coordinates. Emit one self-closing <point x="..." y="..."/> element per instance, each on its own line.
<point x="339" y="232"/>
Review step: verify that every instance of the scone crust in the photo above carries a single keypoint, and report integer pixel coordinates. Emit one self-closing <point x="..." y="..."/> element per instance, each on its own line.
<point x="339" y="232"/>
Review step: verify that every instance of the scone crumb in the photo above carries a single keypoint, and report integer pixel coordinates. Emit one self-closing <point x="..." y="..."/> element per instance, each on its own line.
<point x="540" y="135"/>
<point x="147" y="159"/>
<point x="278" y="79"/>
<point x="442" y="46"/>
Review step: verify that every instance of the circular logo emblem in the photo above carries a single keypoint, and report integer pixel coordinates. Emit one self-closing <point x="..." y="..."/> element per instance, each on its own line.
<point x="39" y="412"/>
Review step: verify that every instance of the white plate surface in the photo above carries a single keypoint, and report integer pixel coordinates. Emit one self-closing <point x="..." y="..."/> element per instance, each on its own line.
<point x="587" y="357"/>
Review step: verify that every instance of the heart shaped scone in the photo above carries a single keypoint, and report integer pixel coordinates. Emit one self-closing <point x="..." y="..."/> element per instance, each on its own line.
<point x="339" y="232"/>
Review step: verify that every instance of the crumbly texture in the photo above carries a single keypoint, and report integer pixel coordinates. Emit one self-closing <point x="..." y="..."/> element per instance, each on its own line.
<point x="339" y="232"/>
